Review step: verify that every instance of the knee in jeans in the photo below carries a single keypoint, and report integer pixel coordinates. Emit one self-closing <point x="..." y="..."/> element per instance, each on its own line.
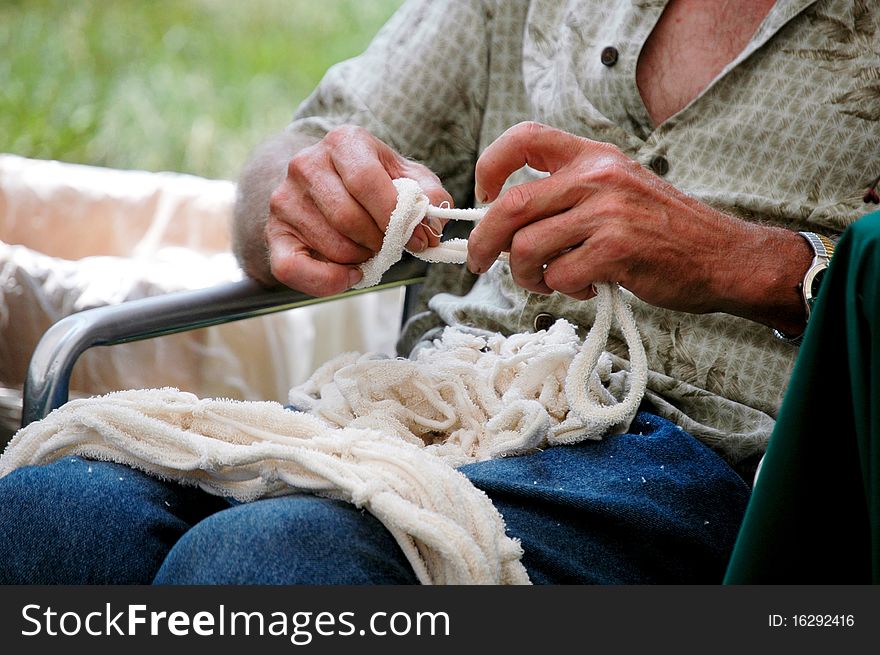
<point x="67" y="485"/>
<point x="290" y="540"/>
<point x="80" y="522"/>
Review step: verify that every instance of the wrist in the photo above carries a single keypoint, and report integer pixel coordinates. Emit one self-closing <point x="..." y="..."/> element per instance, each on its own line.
<point x="769" y="272"/>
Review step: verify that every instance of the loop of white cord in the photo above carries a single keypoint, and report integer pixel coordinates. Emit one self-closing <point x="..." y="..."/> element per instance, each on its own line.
<point x="413" y="206"/>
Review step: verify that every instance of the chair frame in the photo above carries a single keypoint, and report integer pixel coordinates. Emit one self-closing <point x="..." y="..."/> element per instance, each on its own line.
<point x="46" y="386"/>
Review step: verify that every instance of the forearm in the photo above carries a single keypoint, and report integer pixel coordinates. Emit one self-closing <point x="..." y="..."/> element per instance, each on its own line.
<point x="262" y="174"/>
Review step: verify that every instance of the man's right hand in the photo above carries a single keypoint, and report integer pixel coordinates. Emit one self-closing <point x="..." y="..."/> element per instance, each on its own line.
<point x="330" y="212"/>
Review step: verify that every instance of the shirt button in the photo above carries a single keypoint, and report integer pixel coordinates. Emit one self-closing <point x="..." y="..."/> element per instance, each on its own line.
<point x="544" y="321"/>
<point x="609" y="56"/>
<point x="659" y="164"/>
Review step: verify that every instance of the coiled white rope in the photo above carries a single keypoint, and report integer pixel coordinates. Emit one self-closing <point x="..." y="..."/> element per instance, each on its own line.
<point x="384" y="434"/>
<point x="592" y="408"/>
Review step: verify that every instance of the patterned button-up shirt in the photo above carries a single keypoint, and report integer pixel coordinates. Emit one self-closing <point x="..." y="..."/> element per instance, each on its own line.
<point x="788" y="133"/>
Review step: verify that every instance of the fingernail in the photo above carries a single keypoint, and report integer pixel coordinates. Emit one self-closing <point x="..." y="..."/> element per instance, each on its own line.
<point x="474" y="268"/>
<point x="354" y="276"/>
<point x="417" y="244"/>
<point x="436" y="226"/>
<point x="480" y="195"/>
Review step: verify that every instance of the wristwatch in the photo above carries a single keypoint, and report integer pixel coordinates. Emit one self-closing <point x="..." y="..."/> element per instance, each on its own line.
<point x="823" y="250"/>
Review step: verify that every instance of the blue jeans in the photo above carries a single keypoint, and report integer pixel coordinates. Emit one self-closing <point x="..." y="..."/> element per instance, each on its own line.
<point x="655" y="507"/>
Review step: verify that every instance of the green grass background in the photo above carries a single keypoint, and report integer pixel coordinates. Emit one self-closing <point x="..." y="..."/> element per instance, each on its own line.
<point x="177" y="85"/>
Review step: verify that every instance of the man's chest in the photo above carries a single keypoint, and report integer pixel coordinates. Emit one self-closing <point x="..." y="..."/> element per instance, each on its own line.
<point x="692" y="42"/>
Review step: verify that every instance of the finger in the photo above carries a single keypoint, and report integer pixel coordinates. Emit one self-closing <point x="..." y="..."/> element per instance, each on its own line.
<point x="433" y="229"/>
<point x="540" y="243"/>
<point x="519" y="206"/>
<point x="574" y="272"/>
<point x="367" y="174"/>
<point x="583" y="294"/>
<point x="344" y="213"/>
<point x="295" y="265"/>
<point x="539" y="146"/>
<point x="292" y="210"/>
<point x="313" y="171"/>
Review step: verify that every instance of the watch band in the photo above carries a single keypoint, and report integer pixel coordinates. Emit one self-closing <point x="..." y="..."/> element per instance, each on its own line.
<point x="822" y="246"/>
<point x="823" y="251"/>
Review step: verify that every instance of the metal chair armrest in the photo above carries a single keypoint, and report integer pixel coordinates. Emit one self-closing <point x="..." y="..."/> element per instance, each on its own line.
<point x="47" y="383"/>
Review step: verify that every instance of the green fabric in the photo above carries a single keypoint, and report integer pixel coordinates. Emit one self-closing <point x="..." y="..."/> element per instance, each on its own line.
<point x="814" y="515"/>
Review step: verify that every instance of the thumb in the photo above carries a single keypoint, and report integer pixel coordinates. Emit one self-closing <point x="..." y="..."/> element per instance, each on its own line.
<point x="542" y="147"/>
